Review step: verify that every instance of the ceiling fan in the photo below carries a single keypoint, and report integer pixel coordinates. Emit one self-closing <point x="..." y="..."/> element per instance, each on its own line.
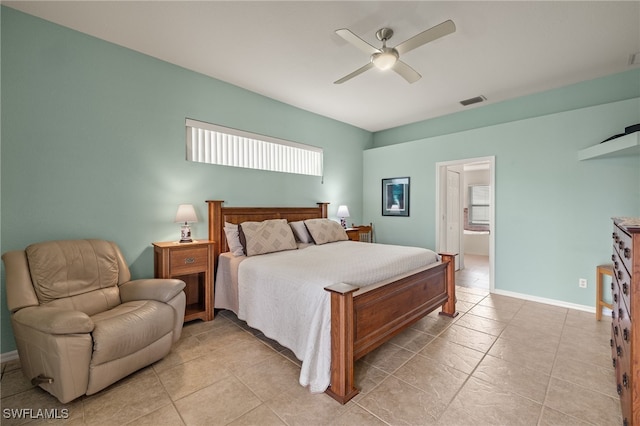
<point x="385" y="57"/>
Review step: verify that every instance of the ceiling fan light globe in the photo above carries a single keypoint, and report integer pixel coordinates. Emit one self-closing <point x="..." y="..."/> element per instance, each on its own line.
<point x="384" y="60"/>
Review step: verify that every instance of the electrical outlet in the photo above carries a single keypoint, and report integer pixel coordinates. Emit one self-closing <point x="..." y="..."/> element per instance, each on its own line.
<point x="582" y="283"/>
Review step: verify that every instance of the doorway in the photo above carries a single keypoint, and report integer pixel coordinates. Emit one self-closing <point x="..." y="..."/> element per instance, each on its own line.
<point x="465" y="223"/>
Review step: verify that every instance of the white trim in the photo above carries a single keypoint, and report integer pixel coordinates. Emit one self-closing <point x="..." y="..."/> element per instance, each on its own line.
<point x="442" y="165"/>
<point x="546" y="301"/>
<point x="8" y="356"/>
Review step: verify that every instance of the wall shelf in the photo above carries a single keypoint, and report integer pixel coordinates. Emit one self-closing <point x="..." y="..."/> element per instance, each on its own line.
<point x="623" y="146"/>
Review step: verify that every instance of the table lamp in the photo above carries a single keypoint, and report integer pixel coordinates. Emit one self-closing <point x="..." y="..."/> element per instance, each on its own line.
<point x="186" y="214"/>
<point x="343" y="211"/>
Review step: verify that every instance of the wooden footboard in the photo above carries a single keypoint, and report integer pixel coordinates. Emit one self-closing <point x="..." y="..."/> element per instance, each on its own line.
<point x="362" y="320"/>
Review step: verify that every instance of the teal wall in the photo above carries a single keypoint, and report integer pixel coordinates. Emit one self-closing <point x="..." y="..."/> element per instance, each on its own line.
<point x="93" y="146"/>
<point x="552" y="211"/>
<point x="602" y="90"/>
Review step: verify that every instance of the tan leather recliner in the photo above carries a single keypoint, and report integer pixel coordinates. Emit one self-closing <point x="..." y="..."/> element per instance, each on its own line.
<point x="79" y="319"/>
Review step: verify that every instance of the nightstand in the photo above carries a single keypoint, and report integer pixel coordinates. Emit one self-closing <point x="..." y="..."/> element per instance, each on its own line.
<point x="193" y="264"/>
<point x="352" y="233"/>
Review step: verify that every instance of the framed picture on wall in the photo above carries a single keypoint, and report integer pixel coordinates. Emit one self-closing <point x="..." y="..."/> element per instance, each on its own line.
<point x="395" y="196"/>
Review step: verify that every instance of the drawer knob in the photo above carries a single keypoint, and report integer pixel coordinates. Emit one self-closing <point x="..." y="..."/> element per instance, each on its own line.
<point x="618" y="350"/>
<point x="620" y="315"/>
<point x="625" y="334"/>
<point x="613" y="257"/>
<point x="619" y="389"/>
<point x="613" y="314"/>
<point x="611" y="342"/>
<point x="615" y="298"/>
<point x="625" y="380"/>
<point x="615" y="236"/>
<point x="615" y="264"/>
<point x="189" y="260"/>
<point x="625" y="288"/>
<point x="619" y="275"/>
<point x="621" y="245"/>
<point x="615" y="331"/>
<point x="611" y="285"/>
<point x="627" y="253"/>
<point x="614" y="362"/>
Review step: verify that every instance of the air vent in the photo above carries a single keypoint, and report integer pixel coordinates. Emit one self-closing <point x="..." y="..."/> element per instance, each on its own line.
<point x="472" y="101"/>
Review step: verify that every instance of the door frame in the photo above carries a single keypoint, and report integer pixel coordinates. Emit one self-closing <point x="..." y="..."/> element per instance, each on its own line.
<point x="441" y="189"/>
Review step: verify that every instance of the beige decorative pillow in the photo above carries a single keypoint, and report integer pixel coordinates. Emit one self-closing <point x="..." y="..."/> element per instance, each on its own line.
<point x="325" y="231"/>
<point x="267" y="236"/>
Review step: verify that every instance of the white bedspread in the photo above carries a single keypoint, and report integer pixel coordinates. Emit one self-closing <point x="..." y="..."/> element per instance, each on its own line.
<point x="282" y="294"/>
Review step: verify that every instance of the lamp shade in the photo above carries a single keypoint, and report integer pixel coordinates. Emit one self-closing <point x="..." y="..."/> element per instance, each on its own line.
<point x="186" y="213"/>
<point x="343" y="211"/>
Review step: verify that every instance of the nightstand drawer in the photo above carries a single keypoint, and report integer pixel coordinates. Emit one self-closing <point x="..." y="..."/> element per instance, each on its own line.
<point x="186" y="261"/>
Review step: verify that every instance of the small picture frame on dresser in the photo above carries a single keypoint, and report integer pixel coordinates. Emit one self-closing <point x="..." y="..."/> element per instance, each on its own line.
<point x="395" y="197"/>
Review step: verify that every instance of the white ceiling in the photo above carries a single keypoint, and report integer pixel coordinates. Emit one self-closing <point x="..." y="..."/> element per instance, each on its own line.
<point x="288" y="50"/>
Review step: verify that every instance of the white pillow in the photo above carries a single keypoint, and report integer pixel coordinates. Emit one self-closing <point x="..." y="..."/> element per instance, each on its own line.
<point x="267" y="236"/>
<point x="301" y="232"/>
<point x="325" y="231"/>
<point x="233" y="239"/>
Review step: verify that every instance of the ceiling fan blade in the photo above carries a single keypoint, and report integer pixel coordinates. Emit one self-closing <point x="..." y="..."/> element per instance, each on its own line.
<point x="433" y="33"/>
<point x="406" y="72"/>
<point x="357" y="41"/>
<point x="354" y="74"/>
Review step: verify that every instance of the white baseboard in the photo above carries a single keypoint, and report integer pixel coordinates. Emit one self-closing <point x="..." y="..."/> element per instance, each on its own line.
<point x="553" y="302"/>
<point x="8" y="356"/>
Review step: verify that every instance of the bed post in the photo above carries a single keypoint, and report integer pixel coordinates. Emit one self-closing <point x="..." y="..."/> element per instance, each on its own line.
<point x="214" y="208"/>
<point x="342" y="387"/>
<point x="323" y="209"/>
<point x="449" y="307"/>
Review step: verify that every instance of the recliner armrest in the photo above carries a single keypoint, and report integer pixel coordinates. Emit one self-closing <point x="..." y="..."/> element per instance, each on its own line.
<point x="160" y="289"/>
<point x="54" y="320"/>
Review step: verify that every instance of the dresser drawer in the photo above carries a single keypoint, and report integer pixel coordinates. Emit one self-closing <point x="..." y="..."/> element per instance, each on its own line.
<point x="188" y="260"/>
<point x="622" y="281"/>
<point x="623" y="246"/>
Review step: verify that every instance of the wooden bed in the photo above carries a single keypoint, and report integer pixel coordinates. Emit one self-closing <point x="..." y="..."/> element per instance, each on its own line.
<point x="361" y="319"/>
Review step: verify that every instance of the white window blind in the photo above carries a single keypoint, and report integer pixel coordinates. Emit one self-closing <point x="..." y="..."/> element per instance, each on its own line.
<point x="213" y="144"/>
<point x="479" y="204"/>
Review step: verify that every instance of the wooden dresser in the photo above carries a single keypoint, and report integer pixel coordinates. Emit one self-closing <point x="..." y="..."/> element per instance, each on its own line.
<point x="625" y="336"/>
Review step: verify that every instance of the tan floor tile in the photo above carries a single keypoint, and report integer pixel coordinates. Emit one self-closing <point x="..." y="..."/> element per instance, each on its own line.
<point x="412" y="340"/>
<point x="586" y="375"/>
<point x="590" y="351"/>
<point x="165" y="416"/>
<point x="532" y="356"/>
<point x="498" y="314"/>
<point x="502" y="302"/>
<point x="434" y="325"/>
<point x="388" y="357"/>
<point x="533" y="335"/>
<point x="467" y="337"/>
<point x="185" y="349"/>
<point x="399" y="403"/>
<point x="480" y="403"/>
<point x="551" y="417"/>
<point x="452" y="355"/>
<point x="131" y="398"/>
<point x="482" y="324"/>
<point x="357" y="416"/>
<point x="259" y="416"/>
<point x="439" y="383"/>
<point x="514" y="378"/>
<point x="367" y="377"/>
<point x="583" y="403"/>
<point x="188" y="377"/>
<point x="14" y="382"/>
<point x="36" y="399"/>
<point x="242" y="355"/>
<point x="218" y="404"/>
<point x="305" y="408"/>
<point x="478" y="291"/>
<point x="271" y="377"/>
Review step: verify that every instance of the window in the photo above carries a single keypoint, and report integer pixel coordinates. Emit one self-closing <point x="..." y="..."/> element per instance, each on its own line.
<point x="213" y="144"/>
<point x="479" y="204"/>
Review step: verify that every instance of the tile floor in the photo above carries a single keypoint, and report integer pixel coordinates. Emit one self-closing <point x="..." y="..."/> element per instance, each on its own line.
<point x="502" y="361"/>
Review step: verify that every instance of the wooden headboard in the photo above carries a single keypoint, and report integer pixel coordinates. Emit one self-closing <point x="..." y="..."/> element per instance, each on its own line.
<point x="218" y="215"/>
